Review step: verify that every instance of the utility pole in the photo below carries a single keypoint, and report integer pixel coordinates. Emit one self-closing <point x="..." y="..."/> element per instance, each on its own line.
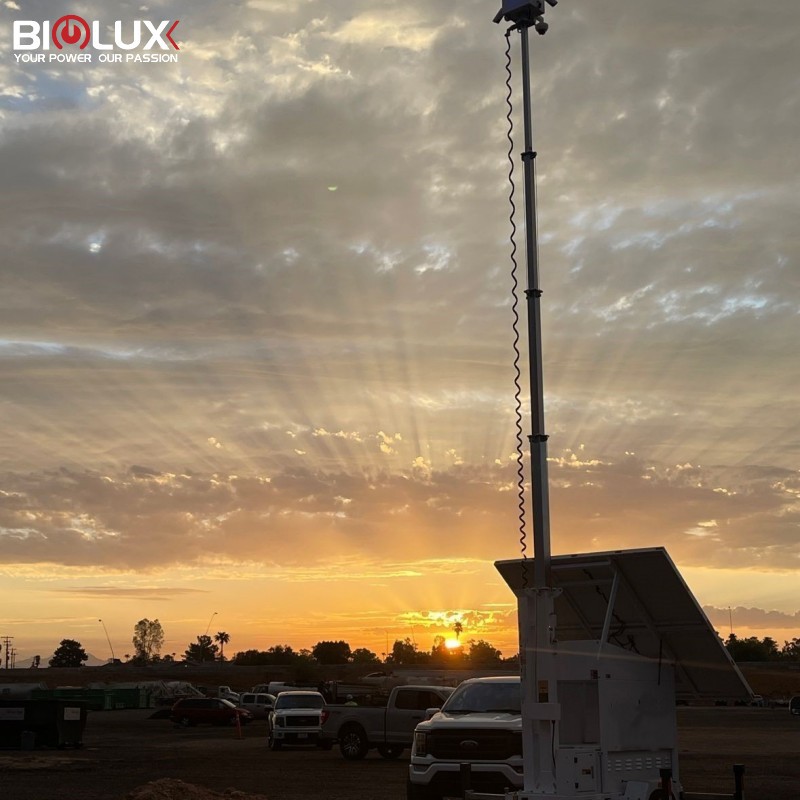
<point x="7" y="644"/>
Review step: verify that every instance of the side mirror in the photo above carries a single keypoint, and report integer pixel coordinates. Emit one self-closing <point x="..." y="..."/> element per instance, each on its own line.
<point x="429" y="712"/>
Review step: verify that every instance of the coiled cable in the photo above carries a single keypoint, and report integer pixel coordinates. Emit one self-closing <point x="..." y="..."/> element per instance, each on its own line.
<point x="523" y="538"/>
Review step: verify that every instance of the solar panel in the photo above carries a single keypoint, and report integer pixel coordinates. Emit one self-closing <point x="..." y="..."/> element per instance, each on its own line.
<point x="654" y="614"/>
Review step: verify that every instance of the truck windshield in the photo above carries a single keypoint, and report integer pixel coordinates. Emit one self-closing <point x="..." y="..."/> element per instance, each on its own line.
<point x="300" y="701"/>
<point x="472" y="698"/>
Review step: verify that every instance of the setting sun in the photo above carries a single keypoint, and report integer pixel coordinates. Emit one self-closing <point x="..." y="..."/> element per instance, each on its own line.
<point x="451" y="644"/>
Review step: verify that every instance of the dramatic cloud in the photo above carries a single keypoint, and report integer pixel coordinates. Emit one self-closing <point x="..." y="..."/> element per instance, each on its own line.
<point x="256" y="307"/>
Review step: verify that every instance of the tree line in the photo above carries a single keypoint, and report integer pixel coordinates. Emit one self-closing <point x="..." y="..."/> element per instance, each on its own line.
<point x="766" y="649"/>
<point x="148" y="640"/>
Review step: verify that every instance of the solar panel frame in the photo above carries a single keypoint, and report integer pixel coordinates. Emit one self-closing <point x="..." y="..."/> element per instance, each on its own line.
<point x="654" y="614"/>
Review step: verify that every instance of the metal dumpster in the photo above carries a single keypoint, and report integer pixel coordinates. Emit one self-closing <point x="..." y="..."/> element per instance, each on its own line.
<point x="42" y="723"/>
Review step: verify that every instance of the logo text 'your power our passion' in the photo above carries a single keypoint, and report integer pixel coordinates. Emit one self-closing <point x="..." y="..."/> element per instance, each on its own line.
<point x="72" y="38"/>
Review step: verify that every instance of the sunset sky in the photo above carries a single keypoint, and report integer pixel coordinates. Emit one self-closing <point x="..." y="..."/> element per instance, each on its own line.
<point x="255" y="317"/>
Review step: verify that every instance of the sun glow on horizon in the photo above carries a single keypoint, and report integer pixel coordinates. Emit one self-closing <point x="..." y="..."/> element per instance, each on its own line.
<point x="452" y="644"/>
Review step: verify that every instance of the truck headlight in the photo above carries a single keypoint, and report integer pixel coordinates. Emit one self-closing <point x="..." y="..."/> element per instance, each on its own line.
<point x="280" y="722"/>
<point x="420" y="743"/>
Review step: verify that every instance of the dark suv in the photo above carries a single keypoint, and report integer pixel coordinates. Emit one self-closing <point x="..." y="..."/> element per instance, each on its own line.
<point x="212" y="710"/>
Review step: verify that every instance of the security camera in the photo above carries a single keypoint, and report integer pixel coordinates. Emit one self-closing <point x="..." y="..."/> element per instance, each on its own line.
<point x="541" y="27"/>
<point x="522" y="12"/>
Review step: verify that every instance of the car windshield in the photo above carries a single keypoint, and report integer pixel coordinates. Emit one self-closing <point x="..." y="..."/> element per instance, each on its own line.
<point x="483" y="698"/>
<point x="299" y="701"/>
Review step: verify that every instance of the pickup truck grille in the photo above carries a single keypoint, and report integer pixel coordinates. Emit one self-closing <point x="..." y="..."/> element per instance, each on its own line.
<point x="305" y="722"/>
<point x="474" y="745"/>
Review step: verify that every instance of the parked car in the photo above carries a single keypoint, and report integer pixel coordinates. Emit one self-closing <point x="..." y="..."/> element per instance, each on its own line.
<point x="296" y="719"/>
<point x="259" y="704"/>
<point x="209" y="710"/>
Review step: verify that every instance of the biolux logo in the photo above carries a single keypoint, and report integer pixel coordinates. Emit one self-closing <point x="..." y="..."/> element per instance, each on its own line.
<point x="75" y="33"/>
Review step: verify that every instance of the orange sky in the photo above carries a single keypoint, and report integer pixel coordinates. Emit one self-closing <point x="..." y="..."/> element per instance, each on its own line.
<point x="256" y="328"/>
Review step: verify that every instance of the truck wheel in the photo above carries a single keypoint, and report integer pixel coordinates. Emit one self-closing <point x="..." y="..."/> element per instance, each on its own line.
<point x="273" y="743"/>
<point x="185" y="722"/>
<point x="391" y="750"/>
<point x="353" y="743"/>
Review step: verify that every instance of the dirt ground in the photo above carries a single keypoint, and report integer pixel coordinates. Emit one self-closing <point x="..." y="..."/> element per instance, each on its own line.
<point x="124" y="750"/>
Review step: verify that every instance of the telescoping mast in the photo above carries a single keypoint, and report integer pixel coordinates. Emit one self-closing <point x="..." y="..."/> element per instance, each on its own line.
<point x="606" y="639"/>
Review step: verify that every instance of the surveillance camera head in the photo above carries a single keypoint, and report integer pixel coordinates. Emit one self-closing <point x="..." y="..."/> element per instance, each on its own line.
<point x="541" y="27"/>
<point x="522" y="12"/>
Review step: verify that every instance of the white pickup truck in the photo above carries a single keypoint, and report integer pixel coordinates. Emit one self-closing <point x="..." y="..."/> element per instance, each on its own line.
<point x="390" y="729"/>
<point x="226" y="693"/>
<point x="296" y="719"/>
<point x="480" y="724"/>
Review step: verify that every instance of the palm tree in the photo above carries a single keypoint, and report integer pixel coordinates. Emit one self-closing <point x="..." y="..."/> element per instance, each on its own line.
<point x="458" y="628"/>
<point x="223" y="639"/>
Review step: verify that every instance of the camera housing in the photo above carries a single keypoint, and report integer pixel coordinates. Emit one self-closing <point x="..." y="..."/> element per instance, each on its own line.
<point x="523" y="12"/>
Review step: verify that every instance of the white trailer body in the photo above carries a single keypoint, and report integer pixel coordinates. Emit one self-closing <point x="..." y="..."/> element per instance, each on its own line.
<point x="624" y="635"/>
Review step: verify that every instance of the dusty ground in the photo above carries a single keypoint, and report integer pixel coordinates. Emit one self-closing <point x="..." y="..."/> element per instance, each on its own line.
<point x="124" y="750"/>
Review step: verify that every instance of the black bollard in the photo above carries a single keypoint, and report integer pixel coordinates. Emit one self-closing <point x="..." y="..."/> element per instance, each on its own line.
<point x="738" y="782"/>
<point x="465" y="772"/>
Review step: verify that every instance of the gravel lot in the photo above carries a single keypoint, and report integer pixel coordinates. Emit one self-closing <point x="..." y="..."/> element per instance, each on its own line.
<point x="124" y="750"/>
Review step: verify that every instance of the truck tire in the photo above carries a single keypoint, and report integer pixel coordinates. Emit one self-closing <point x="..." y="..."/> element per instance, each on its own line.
<point x="273" y="743"/>
<point x="415" y="791"/>
<point x="353" y="744"/>
<point x="391" y="750"/>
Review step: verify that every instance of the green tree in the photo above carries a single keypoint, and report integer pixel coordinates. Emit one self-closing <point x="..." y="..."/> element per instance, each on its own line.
<point x="222" y="638"/>
<point x="202" y="650"/>
<point x="512" y="662"/>
<point x="279" y="654"/>
<point x="305" y="665"/>
<point x="405" y="652"/>
<point x="791" y="650"/>
<point x="68" y="654"/>
<point x="440" y="654"/>
<point x="752" y="648"/>
<point x="364" y="657"/>
<point x="148" y="638"/>
<point x="332" y="652"/>
<point x="482" y="654"/>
